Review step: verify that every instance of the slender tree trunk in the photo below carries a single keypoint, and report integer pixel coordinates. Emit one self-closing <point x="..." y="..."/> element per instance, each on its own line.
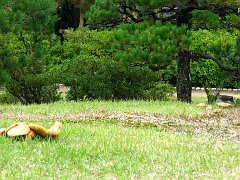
<point x="184" y="82"/>
<point x="81" y="21"/>
<point x="81" y="14"/>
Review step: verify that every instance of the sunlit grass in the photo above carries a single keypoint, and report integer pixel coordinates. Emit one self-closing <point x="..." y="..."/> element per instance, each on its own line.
<point x="109" y="150"/>
<point x="168" y="107"/>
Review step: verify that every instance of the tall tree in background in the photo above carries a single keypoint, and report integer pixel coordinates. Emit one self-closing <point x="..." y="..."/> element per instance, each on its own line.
<point x="179" y="13"/>
<point x="26" y="31"/>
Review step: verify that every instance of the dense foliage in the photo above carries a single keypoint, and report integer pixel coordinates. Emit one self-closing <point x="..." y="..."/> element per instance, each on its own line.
<point x="92" y="78"/>
<point x="193" y="15"/>
<point x="26" y="34"/>
<point x="129" y="49"/>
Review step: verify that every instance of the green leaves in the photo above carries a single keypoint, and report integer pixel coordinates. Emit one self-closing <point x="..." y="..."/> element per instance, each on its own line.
<point x="103" y="13"/>
<point x="205" y="19"/>
<point x="149" y="43"/>
<point x="27" y="15"/>
<point x="26" y="25"/>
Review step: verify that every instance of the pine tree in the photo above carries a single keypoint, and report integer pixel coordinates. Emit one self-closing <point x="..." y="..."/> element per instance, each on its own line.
<point x="181" y="14"/>
<point x="26" y="27"/>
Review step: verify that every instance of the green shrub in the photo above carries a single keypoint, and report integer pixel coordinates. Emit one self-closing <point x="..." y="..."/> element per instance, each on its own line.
<point x="236" y="102"/>
<point x="27" y="73"/>
<point x="33" y="89"/>
<point x="7" y="98"/>
<point x="89" y="77"/>
<point x="160" y="91"/>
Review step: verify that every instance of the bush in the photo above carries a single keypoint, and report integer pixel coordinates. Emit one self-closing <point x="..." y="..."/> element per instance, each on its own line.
<point x="93" y="78"/>
<point x="33" y="89"/>
<point x="27" y="73"/>
<point x="7" y="98"/>
<point x="160" y="91"/>
<point x="236" y="102"/>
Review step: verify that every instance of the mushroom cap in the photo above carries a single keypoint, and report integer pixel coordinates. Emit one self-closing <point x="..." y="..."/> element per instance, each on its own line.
<point x="38" y="129"/>
<point x="18" y="130"/>
<point x="223" y="104"/>
<point x="201" y="104"/>
<point x="55" y="129"/>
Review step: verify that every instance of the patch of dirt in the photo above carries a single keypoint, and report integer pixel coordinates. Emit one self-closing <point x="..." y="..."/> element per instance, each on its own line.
<point x="225" y="125"/>
<point x="201" y="93"/>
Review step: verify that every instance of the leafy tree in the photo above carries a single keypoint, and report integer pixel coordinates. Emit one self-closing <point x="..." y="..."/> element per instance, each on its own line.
<point x="185" y="13"/>
<point x="206" y="72"/>
<point x="26" y="32"/>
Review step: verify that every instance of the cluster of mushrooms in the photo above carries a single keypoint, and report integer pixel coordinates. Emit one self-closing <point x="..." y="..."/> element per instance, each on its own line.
<point x="31" y="131"/>
<point x="209" y="107"/>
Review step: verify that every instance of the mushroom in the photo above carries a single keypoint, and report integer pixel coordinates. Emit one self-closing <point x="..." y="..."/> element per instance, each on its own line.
<point x="19" y="129"/>
<point x="2" y="131"/>
<point x="39" y="129"/>
<point x="31" y="131"/>
<point x="223" y="104"/>
<point x="32" y="134"/>
<point x="201" y="104"/>
<point x="55" y="129"/>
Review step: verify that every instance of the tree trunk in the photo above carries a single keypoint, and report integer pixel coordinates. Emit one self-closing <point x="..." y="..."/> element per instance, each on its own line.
<point x="81" y="21"/>
<point x="184" y="82"/>
<point x="81" y="13"/>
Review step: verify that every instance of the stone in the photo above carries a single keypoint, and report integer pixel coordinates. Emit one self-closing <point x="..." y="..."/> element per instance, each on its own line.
<point x="218" y="111"/>
<point x="224" y="98"/>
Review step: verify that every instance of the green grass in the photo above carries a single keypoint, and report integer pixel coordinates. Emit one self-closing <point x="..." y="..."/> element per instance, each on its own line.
<point x="107" y="150"/>
<point x="169" y="107"/>
<point x="104" y="149"/>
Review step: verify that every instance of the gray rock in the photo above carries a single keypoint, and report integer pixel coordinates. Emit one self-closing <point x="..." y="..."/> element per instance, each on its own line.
<point x="224" y="98"/>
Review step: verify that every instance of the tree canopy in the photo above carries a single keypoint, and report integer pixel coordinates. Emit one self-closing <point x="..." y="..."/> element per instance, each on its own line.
<point x="156" y="34"/>
<point x="26" y="32"/>
<point x="192" y="14"/>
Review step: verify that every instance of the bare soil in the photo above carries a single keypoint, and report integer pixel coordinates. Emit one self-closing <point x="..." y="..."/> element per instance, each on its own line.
<point x="201" y="93"/>
<point x="195" y="93"/>
<point x="225" y="125"/>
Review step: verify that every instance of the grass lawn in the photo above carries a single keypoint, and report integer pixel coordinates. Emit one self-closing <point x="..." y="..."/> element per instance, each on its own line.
<point x="170" y="107"/>
<point x="96" y="149"/>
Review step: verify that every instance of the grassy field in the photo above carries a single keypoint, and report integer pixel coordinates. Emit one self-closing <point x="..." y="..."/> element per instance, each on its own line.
<point x="170" y="107"/>
<point x="109" y="149"/>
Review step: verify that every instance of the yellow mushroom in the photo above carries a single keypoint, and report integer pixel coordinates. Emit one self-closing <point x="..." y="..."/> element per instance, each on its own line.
<point x="223" y="104"/>
<point x="31" y="131"/>
<point x="32" y="134"/>
<point x="55" y="130"/>
<point x="39" y="129"/>
<point x="201" y="104"/>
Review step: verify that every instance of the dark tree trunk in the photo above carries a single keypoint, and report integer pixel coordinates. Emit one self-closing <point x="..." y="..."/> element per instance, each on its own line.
<point x="68" y="18"/>
<point x="184" y="82"/>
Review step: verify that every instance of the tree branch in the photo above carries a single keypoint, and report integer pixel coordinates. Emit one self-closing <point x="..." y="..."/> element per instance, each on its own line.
<point x="125" y="8"/>
<point x="235" y="71"/>
<point x="25" y="44"/>
<point x="216" y="60"/>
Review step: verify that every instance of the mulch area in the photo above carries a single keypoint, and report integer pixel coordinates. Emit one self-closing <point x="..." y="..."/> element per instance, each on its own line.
<point x="225" y="125"/>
